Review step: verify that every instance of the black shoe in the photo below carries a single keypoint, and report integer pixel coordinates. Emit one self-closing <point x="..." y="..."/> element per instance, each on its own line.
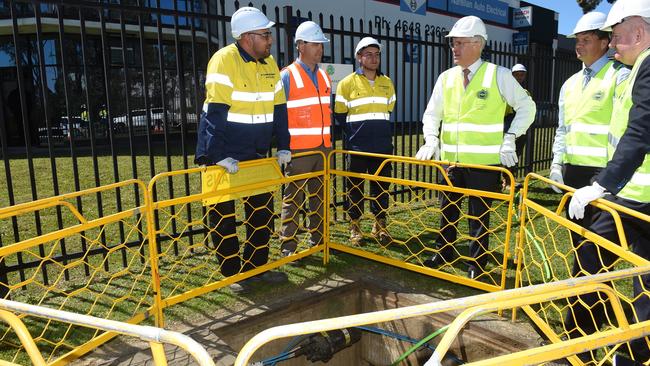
<point x="472" y="272"/>
<point x="242" y="287"/>
<point x="273" y="277"/>
<point x="435" y="261"/>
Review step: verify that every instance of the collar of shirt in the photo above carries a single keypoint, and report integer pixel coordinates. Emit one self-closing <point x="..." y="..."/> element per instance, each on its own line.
<point x="311" y="73"/>
<point x="597" y="65"/>
<point x="473" y="68"/>
<point x="360" y="72"/>
<point x="246" y="57"/>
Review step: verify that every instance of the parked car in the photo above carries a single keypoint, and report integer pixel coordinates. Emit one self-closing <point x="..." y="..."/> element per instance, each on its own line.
<point x="139" y="120"/>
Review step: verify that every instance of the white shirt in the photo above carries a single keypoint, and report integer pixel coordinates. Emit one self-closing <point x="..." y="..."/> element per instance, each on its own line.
<point x="559" y="144"/>
<point x="509" y="89"/>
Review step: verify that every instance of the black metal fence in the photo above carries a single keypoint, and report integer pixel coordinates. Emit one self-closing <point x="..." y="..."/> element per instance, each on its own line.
<point x="95" y="92"/>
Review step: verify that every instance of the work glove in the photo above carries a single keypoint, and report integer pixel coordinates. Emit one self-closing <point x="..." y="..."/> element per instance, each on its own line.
<point x="431" y="149"/>
<point x="582" y="197"/>
<point x="556" y="176"/>
<point x="284" y="157"/>
<point x="507" y="152"/>
<point x="231" y="165"/>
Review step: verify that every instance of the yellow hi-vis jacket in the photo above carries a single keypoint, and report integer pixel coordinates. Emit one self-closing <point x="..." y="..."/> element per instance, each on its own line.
<point x="244" y="107"/>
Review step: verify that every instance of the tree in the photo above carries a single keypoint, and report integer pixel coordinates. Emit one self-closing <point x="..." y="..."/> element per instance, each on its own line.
<point x="590" y="5"/>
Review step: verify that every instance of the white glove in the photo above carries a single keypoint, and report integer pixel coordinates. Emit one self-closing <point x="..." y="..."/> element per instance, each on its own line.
<point x="231" y="165"/>
<point x="556" y="176"/>
<point x="582" y="197"/>
<point x="431" y="149"/>
<point x="284" y="157"/>
<point x="508" y="152"/>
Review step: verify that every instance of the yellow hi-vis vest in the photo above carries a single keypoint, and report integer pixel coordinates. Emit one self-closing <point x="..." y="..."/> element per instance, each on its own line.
<point x="587" y="114"/>
<point x="472" y="122"/>
<point x="638" y="188"/>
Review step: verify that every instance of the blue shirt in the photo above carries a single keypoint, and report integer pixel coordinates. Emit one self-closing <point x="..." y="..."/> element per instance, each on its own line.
<point x="285" y="77"/>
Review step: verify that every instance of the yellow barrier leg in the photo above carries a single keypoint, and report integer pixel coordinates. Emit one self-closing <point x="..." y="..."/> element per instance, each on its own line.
<point x="25" y="337"/>
<point x="158" y="352"/>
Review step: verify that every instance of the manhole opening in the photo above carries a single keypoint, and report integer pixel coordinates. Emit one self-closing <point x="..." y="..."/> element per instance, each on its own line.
<point x="486" y="337"/>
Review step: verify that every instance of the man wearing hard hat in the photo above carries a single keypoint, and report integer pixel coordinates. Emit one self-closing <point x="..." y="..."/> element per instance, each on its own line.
<point x="464" y="122"/>
<point x="364" y="101"/>
<point x="244" y="107"/>
<point x="625" y="180"/>
<point x="585" y="109"/>
<point x="308" y="90"/>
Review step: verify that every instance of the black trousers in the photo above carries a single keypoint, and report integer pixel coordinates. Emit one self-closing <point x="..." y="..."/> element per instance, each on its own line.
<point x="379" y="194"/>
<point x="258" y="210"/>
<point x="478" y="207"/>
<point x="591" y="259"/>
<point x="578" y="176"/>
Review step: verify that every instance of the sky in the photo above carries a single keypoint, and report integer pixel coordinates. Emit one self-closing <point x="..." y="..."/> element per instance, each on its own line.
<point x="569" y="12"/>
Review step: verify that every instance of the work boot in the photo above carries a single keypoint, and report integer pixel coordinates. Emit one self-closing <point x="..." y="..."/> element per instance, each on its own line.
<point x="356" y="236"/>
<point x="380" y="233"/>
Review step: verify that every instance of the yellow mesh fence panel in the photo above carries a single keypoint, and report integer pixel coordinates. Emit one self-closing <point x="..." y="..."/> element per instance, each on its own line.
<point x="552" y="248"/>
<point x="406" y="222"/>
<point x="90" y="256"/>
<point x="223" y="231"/>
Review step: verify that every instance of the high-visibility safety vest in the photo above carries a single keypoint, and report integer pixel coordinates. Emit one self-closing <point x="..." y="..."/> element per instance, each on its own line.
<point x="367" y="107"/>
<point x="638" y="188"/>
<point x="308" y="109"/>
<point x="472" y="121"/>
<point x="587" y="113"/>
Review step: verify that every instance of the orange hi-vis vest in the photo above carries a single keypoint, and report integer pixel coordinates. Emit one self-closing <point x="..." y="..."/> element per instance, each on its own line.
<point x="308" y="109"/>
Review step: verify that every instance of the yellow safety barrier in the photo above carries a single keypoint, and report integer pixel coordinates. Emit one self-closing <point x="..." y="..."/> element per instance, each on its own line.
<point x="478" y="304"/>
<point x="553" y="248"/>
<point x="193" y="231"/>
<point x="156" y="337"/>
<point x="406" y="227"/>
<point x="229" y="224"/>
<point x="90" y="257"/>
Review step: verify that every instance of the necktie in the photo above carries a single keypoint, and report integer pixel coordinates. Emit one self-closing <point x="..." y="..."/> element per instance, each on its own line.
<point x="587" y="77"/>
<point x="465" y="77"/>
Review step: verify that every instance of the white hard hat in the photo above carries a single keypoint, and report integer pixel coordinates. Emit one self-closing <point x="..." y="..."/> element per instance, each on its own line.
<point x="519" y="67"/>
<point x="248" y="19"/>
<point x="468" y="26"/>
<point x="626" y="8"/>
<point x="365" y="42"/>
<point x="589" y="21"/>
<point x="310" y="32"/>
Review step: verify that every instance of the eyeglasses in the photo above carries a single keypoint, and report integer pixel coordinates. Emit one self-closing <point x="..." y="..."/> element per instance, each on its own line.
<point x="265" y="35"/>
<point x="459" y="44"/>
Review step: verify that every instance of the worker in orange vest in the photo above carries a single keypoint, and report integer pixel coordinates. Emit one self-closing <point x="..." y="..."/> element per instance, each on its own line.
<point x="308" y="89"/>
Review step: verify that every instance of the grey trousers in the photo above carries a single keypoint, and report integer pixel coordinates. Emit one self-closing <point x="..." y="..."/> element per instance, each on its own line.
<point x="294" y="196"/>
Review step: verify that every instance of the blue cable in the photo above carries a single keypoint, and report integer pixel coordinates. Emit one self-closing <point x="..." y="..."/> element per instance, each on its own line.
<point x="401" y="337"/>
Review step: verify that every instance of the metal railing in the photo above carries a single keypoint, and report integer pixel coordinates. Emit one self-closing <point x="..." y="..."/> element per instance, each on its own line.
<point x="156" y="337"/>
